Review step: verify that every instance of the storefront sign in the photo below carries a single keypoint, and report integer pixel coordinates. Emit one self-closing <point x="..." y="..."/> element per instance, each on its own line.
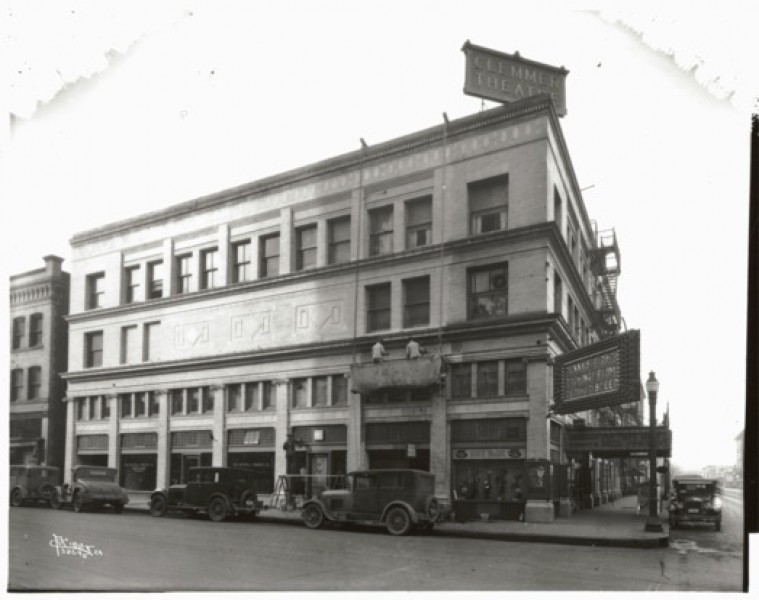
<point x="618" y="442"/>
<point x="509" y="77"/>
<point x="603" y="374"/>
<point x="488" y="453"/>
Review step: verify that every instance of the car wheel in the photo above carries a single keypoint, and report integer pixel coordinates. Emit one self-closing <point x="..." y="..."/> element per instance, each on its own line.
<point x="78" y="502"/>
<point x="313" y="516"/>
<point x="158" y="506"/>
<point x="17" y="499"/>
<point x="117" y="507"/>
<point x="217" y="509"/>
<point x="397" y="521"/>
<point x="55" y="500"/>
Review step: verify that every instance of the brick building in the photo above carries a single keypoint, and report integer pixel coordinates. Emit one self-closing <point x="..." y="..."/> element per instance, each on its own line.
<point x="39" y="347"/>
<point x="202" y="333"/>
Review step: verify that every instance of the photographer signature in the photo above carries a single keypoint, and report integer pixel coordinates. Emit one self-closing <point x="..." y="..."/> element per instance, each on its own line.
<point x="63" y="546"/>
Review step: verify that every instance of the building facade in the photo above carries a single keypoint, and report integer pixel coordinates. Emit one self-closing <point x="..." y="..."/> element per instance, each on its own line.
<point x="39" y="347"/>
<point x="201" y="334"/>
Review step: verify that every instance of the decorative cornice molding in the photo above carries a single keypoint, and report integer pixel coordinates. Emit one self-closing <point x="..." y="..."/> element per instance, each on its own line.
<point x="344" y="162"/>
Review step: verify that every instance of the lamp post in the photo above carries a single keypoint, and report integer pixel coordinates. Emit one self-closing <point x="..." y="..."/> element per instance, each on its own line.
<point x="653" y="523"/>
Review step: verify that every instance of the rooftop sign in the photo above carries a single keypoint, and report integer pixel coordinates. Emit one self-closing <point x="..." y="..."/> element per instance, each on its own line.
<point x="504" y="77"/>
<point x="603" y="374"/>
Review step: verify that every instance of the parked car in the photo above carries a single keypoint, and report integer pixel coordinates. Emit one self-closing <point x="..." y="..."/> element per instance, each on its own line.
<point x="695" y="500"/>
<point x="91" y="487"/>
<point x="217" y="491"/>
<point x="33" y="484"/>
<point x="401" y="499"/>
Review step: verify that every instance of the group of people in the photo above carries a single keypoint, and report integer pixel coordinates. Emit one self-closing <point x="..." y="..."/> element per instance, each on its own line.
<point x="491" y="487"/>
<point x="413" y="350"/>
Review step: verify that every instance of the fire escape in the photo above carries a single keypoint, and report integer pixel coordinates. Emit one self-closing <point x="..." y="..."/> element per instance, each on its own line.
<point x="605" y="265"/>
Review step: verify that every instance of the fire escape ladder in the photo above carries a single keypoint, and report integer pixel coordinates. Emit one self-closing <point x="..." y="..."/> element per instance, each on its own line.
<point x="606" y="266"/>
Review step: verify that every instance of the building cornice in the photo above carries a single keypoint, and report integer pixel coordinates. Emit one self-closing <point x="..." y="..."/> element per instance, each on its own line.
<point x="358" y="158"/>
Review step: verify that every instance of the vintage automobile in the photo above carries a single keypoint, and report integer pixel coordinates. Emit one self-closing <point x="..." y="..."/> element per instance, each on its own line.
<point x="33" y="484"/>
<point x="695" y="500"/>
<point x="401" y="499"/>
<point x="218" y="491"/>
<point x="91" y="487"/>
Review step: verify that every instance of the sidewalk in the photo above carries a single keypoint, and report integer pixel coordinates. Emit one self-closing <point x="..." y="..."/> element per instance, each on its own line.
<point x="615" y="524"/>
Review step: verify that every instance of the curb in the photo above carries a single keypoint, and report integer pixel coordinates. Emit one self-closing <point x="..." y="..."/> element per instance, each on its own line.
<point x="540" y="538"/>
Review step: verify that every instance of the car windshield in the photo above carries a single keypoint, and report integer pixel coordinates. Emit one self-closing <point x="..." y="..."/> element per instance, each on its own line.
<point x="695" y="489"/>
<point x="96" y="474"/>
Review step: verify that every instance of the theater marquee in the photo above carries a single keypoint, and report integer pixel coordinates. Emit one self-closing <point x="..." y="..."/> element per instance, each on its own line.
<point x="604" y="374"/>
<point x="504" y="77"/>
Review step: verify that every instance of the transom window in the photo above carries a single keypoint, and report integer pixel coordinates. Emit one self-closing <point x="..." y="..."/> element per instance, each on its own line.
<point x="488" y="292"/>
<point x="488" y="204"/>
<point x="381" y="230"/>
<point x="339" y="233"/>
<point x="418" y="222"/>
<point x="305" y="240"/>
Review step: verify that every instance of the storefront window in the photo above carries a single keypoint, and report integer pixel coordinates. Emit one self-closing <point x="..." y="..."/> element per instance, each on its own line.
<point x="492" y="480"/>
<point x="138" y="471"/>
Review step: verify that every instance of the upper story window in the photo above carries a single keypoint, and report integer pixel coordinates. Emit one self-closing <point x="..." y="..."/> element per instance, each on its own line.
<point x="339" y="390"/>
<point x="105" y="408"/>
<point x="191" y="401"/>
<point x="244" y="397"/>
<point x="129" y="348"/>
<point x="19" y="332"/>
<point x="378" y="307"/>
<point x="150" y="341"/>
<point x="461" y="380"/>
<point x="95" y="290"/>
<point x="488" y="204"/>
<point x="305" y="247"/>
<point x="209" y="268"/>
<point x="17" y="384"/>
<point x="516" y="377"/>
<point x="558" y="294"/>
<point x="93" y="349"/>
<point x="35" y="383"/>
<point x="35" y="330"/>
<point x="416" y="301"/>
<point x="270" y="255"/>
<point x="184" y="273"/>
<point x="339" y="235"/>
<point x="269" y="396"/>
<point x="139" y="405"/>
<point x="488" y="291"/>
<point x="381" y="230"/>
<point x="242" y="268"/>
<point x="487" y="378"/>
<point x="418" y="222"/>
<point x="155" y="280"/>
<point x="300" y="393"/>
<point x="131" y="283"/>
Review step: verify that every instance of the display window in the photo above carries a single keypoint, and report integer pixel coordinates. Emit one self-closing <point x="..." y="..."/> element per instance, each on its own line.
<point x="488" y="480"/>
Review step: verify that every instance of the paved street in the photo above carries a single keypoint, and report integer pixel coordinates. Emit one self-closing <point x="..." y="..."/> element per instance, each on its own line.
<point x="134" y="551"/>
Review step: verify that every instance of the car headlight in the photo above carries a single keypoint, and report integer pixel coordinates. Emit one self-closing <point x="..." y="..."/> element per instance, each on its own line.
<point x="717" y="503"/>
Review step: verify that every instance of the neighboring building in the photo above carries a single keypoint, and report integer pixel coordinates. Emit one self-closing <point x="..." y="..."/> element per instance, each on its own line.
<point x="39" y="346"/>
<point x="201" y="333"/>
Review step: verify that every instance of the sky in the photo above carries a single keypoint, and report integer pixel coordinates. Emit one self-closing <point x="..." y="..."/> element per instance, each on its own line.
<point x="119" y="108"/>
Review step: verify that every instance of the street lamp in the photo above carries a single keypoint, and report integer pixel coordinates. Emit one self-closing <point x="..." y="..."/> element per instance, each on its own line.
<point x="653" y="523"/>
